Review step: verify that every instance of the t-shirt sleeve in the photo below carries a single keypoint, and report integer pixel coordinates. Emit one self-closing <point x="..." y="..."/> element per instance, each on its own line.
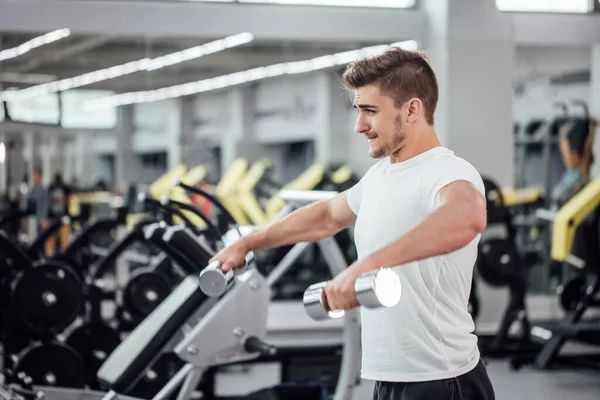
<point x="354" y="196"/>
<point x="446" y="172"/>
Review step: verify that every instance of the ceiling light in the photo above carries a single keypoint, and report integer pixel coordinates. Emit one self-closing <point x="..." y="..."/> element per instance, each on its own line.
<point x="340" y="3"/>
<point x="237" y="78"/>
<point x="559" y="6"/>
<point x="36" y="42"/>
<point x="2" y="153"/>
<point x="336" y="3"/>
<point x="145" y="64"/>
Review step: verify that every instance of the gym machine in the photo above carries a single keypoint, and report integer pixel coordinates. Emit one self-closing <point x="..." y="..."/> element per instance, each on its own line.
<point x="575" y="229"/>
<point x="499" y="264"/>
<point x="200" y="319"/>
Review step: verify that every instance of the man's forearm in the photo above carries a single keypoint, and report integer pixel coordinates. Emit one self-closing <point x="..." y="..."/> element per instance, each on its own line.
<point x="307" y="224"/>
<point x="447" y="229"/>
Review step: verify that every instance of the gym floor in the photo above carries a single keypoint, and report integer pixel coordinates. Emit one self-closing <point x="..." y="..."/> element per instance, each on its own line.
<point x="529" y="384"/>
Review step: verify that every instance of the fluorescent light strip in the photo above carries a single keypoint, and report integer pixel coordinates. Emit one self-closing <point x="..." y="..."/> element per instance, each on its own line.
<point x="145" y="64"/>
<point x="238" y="78"/>
<point x="340" y="3"/>
<point x="326" y="3"/>
<point x="36" y="42"/>
<point x="561" y="6"/>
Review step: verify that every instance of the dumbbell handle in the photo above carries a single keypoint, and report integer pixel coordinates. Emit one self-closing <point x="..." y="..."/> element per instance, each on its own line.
<point x="374" y="289"/>
<point x="214" y="282"/>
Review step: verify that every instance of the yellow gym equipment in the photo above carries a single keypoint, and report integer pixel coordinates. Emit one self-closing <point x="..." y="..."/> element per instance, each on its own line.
<point x="518" y="197"/>
<point x="570" y="216"/>
<point x="227" y="190"/>
<point x="191" y="178"/>
<point x="163" y="184"/>
<point x="308" y="180"/>
<point x="246" y="198"/>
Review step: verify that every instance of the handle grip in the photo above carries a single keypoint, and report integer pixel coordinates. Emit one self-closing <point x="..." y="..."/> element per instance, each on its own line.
<point x="255" y="345"/>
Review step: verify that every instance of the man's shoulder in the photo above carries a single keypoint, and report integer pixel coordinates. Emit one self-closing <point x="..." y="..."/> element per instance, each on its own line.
<point x="377" y="168"/>
<point x="448" y="159"/>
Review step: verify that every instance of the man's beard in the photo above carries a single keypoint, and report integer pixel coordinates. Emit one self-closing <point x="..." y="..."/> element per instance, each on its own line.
<point x="386" y="149"/>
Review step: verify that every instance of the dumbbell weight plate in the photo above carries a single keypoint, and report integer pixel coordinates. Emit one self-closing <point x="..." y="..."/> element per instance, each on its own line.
<point x="93" y="342"/>
<point x="144" y="292"/>
<point x="52" y="364"/>
<point x="47" y="297"/>
<point x="498" y="262"/>
<point x="571" y="292"/>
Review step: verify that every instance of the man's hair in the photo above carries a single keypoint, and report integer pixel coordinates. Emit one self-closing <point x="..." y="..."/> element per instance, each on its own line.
<point x="399" y="74"/>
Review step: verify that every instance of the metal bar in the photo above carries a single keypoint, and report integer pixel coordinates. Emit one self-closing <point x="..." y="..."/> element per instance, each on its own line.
<point x="172" y="384"/>
<point x="190" y="384"/>
<point x="287" y="262"/>
<point x="306" y="196"/>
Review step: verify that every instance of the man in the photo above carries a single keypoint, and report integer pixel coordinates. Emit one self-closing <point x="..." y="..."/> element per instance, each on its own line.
<point x="419" y="210"/>
<point x="59" y="194"/>
<point x="38" y="200"/>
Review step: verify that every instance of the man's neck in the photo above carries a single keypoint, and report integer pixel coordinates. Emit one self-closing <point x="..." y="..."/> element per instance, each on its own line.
<point x="423" y="141"/>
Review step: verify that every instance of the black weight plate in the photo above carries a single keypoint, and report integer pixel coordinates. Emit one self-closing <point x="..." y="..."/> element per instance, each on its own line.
<point x="498" y="262"/>
<point x="145" y="291"/>
<point x="94" y="343"/>
<point x="571" y="293"/>
<point x="52" y="364"/>
<point x="47" y="297"/>
<point x="156" y="377"/>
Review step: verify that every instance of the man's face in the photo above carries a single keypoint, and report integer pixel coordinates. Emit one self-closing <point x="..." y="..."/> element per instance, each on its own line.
<point x="37" y="178"/>
<point x="379" y="121"/>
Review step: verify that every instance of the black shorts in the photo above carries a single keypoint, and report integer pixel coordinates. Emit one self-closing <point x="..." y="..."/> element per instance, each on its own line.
<point x="474" y="385"/>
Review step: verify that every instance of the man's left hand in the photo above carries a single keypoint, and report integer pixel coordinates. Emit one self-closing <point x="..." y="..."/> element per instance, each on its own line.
<point x="340" y="293"/>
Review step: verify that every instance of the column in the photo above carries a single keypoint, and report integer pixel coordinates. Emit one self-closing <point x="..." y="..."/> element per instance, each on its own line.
<point x="32" y="144"/>
<point x="332" y="139"/>
<point x="186" y="130"/>
<point x="241" y="132"/>
<point x="83" y="157"/>
<point x="16" y="157"/>
<point x="124" y="152"/>
<point x="174" y="150"/>
<point x="595" y="105"/>
<point x="470" y="46"/>
<point x="49" y="151"/>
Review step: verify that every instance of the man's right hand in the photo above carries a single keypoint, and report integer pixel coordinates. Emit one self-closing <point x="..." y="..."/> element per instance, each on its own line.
<point x="232" y="257"/>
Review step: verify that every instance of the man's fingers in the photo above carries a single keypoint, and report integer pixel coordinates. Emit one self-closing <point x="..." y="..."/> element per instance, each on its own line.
<point x="325" y="300"/>
<point x="227" y="265"/>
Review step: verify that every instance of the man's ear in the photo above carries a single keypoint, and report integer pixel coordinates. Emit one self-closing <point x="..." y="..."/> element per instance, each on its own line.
<point x="414" y="109"/>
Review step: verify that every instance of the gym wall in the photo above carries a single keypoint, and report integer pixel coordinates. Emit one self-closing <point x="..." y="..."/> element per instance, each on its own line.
<point x="544" y="75"/>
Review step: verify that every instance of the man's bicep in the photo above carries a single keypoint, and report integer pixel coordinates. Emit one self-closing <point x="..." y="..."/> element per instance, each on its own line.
<point x="340" y="210"/>
<point x="465" y="193"/>
<point x="460" y="190"/>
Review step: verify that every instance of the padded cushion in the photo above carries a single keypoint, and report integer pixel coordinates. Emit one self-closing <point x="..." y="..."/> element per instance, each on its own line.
<point x="155" y="235"/>
<point x="180" y="239"/>
<point x="143" y="346"/>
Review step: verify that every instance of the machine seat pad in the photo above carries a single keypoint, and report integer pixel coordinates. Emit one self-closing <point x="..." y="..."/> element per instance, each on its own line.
<point x="144" y="344"/>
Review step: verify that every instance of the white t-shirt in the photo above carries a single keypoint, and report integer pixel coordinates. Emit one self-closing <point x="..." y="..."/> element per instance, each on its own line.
<point x="429" y="334"/>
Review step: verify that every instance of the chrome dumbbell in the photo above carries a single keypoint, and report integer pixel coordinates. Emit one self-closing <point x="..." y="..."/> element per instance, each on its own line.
<point x="214" y="282"/>
<point x="379" y="288"/>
